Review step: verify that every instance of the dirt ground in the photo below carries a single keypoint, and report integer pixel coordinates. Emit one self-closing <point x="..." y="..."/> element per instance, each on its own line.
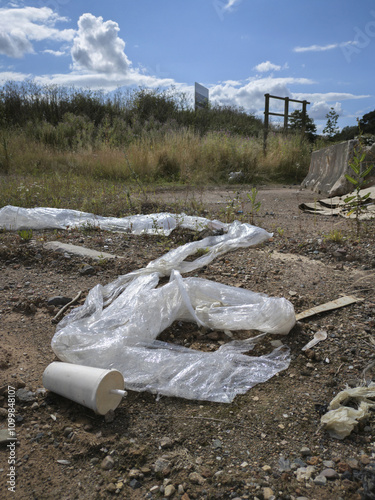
<point x="267" y="443"/>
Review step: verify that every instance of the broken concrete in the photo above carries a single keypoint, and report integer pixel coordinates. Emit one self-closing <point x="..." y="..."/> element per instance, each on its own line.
<point x="329" y="165"/>
<point x="58" y="246"/>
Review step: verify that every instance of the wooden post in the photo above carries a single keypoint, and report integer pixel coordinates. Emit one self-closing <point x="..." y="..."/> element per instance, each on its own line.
<point x="266" y="114"/>
<point x="304" y="104"/>
<point x="286" y="114"/>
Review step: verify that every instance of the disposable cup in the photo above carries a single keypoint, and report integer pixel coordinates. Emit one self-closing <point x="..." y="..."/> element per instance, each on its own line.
<point x="98" y="389"/>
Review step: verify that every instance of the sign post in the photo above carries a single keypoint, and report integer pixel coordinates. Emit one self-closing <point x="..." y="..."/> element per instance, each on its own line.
<point x="201" y="97"/>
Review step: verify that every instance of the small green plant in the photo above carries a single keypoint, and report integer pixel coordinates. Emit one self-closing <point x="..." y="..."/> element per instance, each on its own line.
<point x="280" y="231"/>
<point x="357" y="201"/>
<point x="201" y="251"/>
<point x="233" y="207"/>
<point x="254" y="204"/>
<point x="25" y="234"/>
<point x="334" y="235"/>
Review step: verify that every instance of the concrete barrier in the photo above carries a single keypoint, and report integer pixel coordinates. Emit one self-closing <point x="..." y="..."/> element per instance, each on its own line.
<point x="328" y="168"/>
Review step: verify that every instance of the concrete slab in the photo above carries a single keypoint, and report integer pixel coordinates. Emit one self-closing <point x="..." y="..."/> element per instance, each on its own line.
<point x="58" y="246"/>
<point x="329" y="165"/>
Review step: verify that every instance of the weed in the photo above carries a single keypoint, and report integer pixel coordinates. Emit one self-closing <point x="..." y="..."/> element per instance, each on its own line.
<point x="254" y="204"/>
<point x="25" y="234"/>
<point x="357" y="202"/>
<point x="334" y="235"/>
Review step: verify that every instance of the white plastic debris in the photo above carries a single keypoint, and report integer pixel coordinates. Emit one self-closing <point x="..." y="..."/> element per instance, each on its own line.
<point x="318" y="337"/>
<point x="118" y="326"/>
<point x="18" y="218"/>
<point x="342" y="419"/>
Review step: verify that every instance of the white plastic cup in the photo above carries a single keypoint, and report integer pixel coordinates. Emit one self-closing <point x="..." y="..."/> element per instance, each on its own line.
<point x="96" y="388"/>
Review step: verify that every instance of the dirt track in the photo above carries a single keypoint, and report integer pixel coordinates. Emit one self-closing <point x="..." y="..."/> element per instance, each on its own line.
<point x="176" y="448"/>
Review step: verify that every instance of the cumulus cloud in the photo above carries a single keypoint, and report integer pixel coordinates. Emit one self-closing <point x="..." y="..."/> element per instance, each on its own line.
<point x="267" y="66"/>
<point x="250" y="95"/>
<point x="320" y="109"/>
<point x="98" y="48"/>
<point x="19" y="27"/>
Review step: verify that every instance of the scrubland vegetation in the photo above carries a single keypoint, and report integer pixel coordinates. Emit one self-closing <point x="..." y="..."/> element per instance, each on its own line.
<point x="74" y="147"/>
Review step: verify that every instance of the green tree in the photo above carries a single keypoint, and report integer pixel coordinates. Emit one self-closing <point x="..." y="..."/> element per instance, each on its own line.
<point x="331" y="127"/>
<point x="296" y="124"/>
<point x="367" y="123"/>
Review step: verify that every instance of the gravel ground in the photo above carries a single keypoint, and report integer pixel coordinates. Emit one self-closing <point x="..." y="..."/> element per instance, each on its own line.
<point x="267" y="443"/>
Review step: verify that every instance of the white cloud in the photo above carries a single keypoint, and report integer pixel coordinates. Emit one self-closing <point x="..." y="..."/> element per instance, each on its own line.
<point x="267" y="66"/>
<point x="250" y="95"/>
<point x="329" y="96"/>
<point x="57" y="53"/>
<point x="319" y="109"/>
<point x="323" y="48"/>
<point x="19" y="27"/>
<point x="98" y="48"/>
<point x="230" y="4"/>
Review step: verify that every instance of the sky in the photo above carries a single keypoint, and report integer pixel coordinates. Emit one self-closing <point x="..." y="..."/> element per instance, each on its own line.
<point x="322" y="51"/>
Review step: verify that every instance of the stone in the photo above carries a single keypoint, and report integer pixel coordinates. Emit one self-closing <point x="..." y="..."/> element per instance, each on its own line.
<point x="329" y="464"/>
<point x="58" y="300"/>
<point x="166" y="442"/>
<point x="162" y="465"/>
<point x="135" y="484"/>
<point x="217" y="444"/>
<point x="365" y="459"/>
<point x="196" y="478"/>
<point x="268" y="493"/>
<point x="6" y="437"/>
<point x="305" y="473"/>
<point x="169" y="490"/>
<point x="320" y="480"/>
<point x="111" y="488"/>
<point x="25" y="396"/>
<point x="87" y="270"/>
<point x="180" y="489"/>
<point x="330" y="474"/>
<point x="305" y="451"/>
<point x="107" y="463"/>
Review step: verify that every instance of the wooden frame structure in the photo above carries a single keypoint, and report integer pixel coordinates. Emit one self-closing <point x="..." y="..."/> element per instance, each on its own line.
<point x="285" y="115"/>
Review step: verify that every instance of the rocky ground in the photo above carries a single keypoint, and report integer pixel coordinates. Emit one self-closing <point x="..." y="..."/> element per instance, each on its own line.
<point x="269" y="442"/>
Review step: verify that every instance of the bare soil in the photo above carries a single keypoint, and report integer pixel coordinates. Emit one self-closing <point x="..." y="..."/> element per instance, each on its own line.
<point x="181" y="449"/>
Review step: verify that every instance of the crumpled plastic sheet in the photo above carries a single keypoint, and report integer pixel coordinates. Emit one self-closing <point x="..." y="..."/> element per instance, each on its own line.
<point x="118" y="325"/>
<point x="18" y="218"/>
<point x="341" y="419"/>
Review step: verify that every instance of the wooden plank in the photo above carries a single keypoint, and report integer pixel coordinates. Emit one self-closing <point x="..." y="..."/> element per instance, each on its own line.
<point x="328" y="306"/>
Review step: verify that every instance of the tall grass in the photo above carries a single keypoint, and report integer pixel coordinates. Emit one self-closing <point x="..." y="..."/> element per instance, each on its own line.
<point x="56" y="141"/>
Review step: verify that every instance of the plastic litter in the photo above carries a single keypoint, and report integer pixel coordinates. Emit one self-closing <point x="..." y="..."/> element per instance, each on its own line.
<point x="18" y="218"/>
<point x="319" y="336"/>
<point x="119" y="323"/>
<point x="98" y="389"/>
<point x="341" y="419"/>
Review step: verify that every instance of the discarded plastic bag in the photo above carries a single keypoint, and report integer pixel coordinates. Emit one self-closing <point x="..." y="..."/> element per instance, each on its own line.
<point x="123" y="336"/>
<point x="341" y="419"/>
<point x="119" y="323"/>
<point x="18" y="218"/>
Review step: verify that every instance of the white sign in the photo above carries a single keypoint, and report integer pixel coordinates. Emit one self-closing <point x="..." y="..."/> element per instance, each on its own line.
<point x="201" y="96"/>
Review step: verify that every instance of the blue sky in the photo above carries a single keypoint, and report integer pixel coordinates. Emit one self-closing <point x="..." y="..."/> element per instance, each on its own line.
<point x="321" y="50"/>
